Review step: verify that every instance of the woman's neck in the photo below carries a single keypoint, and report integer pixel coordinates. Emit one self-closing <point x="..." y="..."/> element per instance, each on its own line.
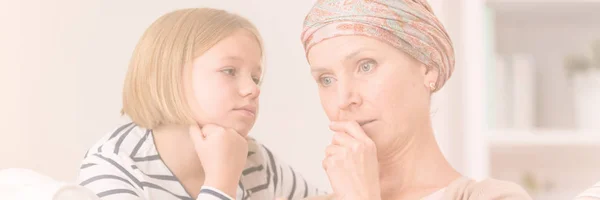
<point x="177" y="151"/>
<point x="414" y="167"/>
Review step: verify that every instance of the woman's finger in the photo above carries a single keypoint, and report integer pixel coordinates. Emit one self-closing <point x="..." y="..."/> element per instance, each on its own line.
<point x="350" y="127"/>
<point x="328" y="163"/>
<point x="342" y="139"/>
<point x="334" y="150"/>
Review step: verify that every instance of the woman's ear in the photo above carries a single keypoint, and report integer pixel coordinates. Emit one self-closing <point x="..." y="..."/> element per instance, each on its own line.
<point x="430" y="77"/>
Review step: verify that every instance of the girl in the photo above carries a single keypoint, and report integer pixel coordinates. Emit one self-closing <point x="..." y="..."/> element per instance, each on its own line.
<point x="191" y="92"/>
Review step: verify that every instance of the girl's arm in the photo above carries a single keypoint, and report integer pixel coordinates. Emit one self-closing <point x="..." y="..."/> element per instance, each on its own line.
<point x="288" y="183"/>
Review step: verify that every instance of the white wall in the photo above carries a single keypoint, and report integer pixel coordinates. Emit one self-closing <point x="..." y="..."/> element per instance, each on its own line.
<point x="64" y="62"/>
<point x="9" y="86"/>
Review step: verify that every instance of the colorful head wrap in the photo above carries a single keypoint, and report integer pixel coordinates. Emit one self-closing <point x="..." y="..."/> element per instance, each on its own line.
<point x="409" y="25"/>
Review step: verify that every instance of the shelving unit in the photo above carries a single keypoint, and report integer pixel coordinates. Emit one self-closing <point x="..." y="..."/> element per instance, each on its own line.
<point x="552" y="151"/>
<point x="497" y="3"/>
<point x="543" y="138"/>
<point x="547" y="149"/>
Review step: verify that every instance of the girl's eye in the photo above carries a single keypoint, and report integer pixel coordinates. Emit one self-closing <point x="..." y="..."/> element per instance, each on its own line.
<point x="229" y="71"/>
<point x="256" y="80"/>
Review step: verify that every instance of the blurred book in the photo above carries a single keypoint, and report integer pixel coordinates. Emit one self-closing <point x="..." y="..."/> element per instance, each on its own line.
<point x="523" y="91"/>
<point x="502" y="88"/>
<point x="513" y="92"/>
<point x="586" y="88"/>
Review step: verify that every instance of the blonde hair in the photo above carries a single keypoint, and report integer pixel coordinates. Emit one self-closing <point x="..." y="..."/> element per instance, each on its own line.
<point x="153" y="92"/>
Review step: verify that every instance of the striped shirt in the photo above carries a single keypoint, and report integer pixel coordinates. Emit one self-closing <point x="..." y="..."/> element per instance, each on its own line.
<point x="125" y="164"/>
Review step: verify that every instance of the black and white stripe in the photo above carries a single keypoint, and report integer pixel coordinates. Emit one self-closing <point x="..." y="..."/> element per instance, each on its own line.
<point x="126" y="165"/>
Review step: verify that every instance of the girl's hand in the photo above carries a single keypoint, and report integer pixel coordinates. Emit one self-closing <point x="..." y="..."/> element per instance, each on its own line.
<point x="223" y="153"/>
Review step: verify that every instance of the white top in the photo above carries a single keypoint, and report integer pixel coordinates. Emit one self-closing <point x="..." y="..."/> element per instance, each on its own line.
<point x="125" y="165"/>
<point x="438" y="195"/>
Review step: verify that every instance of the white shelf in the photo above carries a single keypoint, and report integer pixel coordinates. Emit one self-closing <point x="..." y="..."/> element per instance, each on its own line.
<point x="543" y="1"/>
<point x="545" y="6"/>
<point x="536" y="138"/>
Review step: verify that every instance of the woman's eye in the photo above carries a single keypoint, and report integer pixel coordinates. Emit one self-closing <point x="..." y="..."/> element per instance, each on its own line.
<point x="229" y="71"/>
<point x="367" y="66"/>
<point x="326" y="80"/>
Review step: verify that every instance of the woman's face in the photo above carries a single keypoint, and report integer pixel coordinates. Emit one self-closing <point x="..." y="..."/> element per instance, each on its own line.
<point x="224" y="83"/>
<point x="365" y="80"/>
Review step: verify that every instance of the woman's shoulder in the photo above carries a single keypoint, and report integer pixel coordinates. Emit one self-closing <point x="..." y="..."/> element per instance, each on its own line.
<point x="488" y="189"/>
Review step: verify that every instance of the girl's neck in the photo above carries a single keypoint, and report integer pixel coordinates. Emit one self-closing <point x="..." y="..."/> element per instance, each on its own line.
<point x="177" y="151"/>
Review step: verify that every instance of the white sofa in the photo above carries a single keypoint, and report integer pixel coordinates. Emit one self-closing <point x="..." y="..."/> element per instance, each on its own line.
<point x="592" y="193"/>
<point x="25" y="184"/>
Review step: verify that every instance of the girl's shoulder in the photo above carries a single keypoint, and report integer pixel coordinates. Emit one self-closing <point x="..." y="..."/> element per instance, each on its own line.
<point x="124" y="139"/>
<point x="258" y="153"/>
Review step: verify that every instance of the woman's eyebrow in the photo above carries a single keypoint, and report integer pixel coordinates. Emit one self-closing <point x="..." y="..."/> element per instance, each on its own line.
<point x="318" y="69"/>
<point x="356" y="52"/>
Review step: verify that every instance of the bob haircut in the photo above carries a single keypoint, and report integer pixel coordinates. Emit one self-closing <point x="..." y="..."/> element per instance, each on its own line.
<point x="153" y="92"/>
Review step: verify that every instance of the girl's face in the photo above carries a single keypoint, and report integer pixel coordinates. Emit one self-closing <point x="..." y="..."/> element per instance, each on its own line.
<point x="222" y="87"/>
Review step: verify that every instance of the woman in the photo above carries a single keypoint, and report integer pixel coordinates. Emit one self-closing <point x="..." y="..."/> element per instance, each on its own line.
<point x="191" y="92"/>
<point x="377" y="63"/>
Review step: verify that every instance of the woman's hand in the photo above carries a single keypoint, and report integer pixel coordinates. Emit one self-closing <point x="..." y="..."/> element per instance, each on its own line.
<point x="351" y="163"/>
<point x="223" y="153"/>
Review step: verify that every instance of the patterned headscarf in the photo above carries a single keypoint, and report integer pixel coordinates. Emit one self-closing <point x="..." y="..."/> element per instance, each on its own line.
<point x="409" y="25"/>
